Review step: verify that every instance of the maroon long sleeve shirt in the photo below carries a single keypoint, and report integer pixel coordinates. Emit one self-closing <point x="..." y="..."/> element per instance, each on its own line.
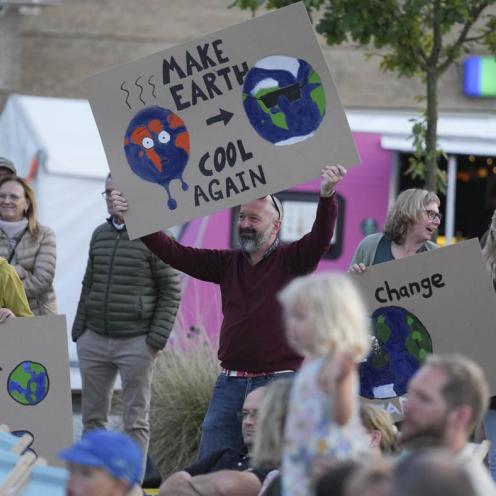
<point x="252" y="336"/>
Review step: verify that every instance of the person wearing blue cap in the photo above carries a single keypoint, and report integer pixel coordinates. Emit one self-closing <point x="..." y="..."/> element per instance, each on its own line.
<point x="103" y="463"/>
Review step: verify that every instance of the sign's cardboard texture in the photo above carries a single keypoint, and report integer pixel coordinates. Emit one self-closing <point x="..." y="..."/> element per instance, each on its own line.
<point x="220" y="120"/>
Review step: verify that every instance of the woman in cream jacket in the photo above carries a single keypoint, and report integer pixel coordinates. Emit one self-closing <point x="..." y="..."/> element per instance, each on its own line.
<point x="27" y="245"/>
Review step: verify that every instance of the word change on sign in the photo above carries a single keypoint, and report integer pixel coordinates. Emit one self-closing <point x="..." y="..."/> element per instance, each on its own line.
<point x="440" y="301"/>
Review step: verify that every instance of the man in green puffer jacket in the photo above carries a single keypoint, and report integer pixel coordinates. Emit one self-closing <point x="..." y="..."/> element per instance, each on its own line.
<point x="126" y="311"/>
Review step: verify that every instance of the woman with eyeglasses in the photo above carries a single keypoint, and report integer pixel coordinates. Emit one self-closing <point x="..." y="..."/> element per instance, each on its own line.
<point x="411" y="222"/>
<point x="27" y="245"/>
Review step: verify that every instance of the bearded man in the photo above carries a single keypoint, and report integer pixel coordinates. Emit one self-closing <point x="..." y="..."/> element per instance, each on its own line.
<point x="447" y="398"/>
<point x="252" y="348"/>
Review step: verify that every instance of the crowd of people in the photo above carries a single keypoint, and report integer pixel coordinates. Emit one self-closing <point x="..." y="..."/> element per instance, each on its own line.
<point x="285" y="416"/>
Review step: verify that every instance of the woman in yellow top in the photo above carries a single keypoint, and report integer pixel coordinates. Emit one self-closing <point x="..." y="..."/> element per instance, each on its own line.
<point x="13" y="301"/>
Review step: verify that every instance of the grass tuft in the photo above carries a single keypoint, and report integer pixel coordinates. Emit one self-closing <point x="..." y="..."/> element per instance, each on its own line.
<point x="184" y="377"/>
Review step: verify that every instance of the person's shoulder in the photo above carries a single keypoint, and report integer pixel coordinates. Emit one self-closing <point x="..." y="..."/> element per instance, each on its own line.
<point x="479" y="476"/>
<point x="45" y="230"/>
<point x="46" y="235"/>
<point x="430" y="245"/>
<point x="369" y="242"/>
<point x="372" y="238"/>
<point x="104" y="226"/>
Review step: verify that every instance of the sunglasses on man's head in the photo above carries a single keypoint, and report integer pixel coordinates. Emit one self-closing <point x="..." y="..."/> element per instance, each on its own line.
<point x="274" y="202"/>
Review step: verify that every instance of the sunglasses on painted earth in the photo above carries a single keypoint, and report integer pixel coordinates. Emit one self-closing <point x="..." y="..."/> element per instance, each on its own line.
<point x="431" y="215"/>
<point x="291" y="92"/>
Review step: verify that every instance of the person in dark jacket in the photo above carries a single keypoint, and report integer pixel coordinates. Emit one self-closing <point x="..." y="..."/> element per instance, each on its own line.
<point x="126" y="311"/>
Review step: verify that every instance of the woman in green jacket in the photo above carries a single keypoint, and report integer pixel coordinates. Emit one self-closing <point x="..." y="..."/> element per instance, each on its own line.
<point x="409" y="227"/>
<point x="13" y="301"/>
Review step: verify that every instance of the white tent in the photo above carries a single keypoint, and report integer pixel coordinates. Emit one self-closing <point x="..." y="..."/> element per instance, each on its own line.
<point x="68" y="182"/>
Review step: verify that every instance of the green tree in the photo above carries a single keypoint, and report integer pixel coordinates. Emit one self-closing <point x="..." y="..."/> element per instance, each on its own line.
<point x="416" y="39"/>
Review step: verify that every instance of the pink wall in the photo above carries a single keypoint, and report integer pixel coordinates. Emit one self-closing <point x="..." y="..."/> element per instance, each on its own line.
<point x="366" y="192"/>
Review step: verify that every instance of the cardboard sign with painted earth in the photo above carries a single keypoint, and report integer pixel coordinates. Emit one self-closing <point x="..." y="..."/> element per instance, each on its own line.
<point x="400" y="345"/>
<point x="35" y="392"/>
<point x="440" y="301"/>
<point x="221" y="120"/>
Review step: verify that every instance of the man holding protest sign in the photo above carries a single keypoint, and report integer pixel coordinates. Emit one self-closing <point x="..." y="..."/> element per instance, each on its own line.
<point x="252" y="348"/>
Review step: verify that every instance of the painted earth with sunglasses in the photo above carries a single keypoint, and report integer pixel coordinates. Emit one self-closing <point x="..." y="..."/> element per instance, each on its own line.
<point x="284" y="99"/>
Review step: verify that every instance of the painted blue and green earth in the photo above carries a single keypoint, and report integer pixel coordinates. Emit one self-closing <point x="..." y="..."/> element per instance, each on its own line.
<point x="284" y="99"/>
<point x="28" y="383"/>
<point x="400" y="345"/>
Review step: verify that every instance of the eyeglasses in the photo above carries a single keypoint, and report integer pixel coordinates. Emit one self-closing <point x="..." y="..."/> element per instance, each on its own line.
<point x="106" y="194"/>
<point x="274" y="202"/>
<point x="431" y="215"/>
<point x="244" y="414"/>
<point x="5" y="196"/>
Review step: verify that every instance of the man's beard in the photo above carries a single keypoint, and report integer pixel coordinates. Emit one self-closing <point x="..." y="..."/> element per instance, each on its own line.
<point x="428" y="436"/>
<point x="251" y="244"/>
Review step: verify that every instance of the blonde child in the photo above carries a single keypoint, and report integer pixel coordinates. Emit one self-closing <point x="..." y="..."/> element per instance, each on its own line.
<point x="327" y="323"/>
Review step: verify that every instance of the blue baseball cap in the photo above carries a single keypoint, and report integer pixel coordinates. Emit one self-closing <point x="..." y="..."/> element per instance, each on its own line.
<point x="113" y="452"/>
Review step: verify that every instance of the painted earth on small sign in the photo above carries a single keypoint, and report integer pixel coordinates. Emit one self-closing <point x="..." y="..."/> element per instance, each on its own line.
<point x="28" y="383"/>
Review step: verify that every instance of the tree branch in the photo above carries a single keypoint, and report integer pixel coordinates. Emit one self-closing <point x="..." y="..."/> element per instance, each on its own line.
<point x="476" y="38"/>
<point x="463" y="36"/>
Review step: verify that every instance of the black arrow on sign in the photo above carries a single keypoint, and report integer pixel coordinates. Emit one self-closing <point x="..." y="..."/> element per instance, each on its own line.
<point x="223" y="116"/>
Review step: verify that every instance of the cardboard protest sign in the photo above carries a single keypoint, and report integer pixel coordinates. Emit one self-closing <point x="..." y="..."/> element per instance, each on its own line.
<point x="221" y="120"/>
<point x="440" y="301"/>
<point x="35" y="393"/>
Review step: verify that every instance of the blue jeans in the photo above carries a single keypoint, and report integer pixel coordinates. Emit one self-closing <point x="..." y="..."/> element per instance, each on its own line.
<point x="221" y="427"/>
<point x="490" y="428"/>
